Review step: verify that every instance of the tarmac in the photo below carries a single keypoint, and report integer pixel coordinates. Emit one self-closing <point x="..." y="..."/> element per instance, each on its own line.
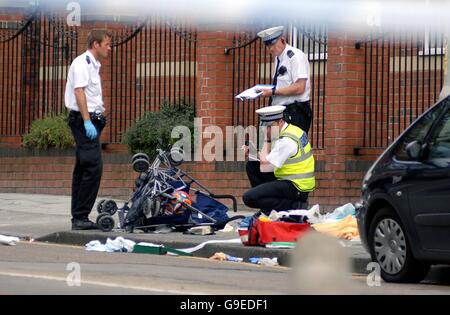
<point x="46" y="218"/>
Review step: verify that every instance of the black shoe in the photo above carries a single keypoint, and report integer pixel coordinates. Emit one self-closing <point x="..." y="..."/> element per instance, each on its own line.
<point x="83" y="225"/>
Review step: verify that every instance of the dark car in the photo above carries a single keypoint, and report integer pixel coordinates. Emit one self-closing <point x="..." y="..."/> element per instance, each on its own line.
<point x="404" y="216"/>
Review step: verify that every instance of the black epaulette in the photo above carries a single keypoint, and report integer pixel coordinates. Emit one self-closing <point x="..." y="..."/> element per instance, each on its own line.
<point x="290" y="53"/>
<point x="88" y="60"/>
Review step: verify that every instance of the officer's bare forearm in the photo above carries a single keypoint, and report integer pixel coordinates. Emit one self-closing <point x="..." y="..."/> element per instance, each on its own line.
<point x="82" y="103"/>
<point x="297" y="88"/>
<point x="265" y="165"/>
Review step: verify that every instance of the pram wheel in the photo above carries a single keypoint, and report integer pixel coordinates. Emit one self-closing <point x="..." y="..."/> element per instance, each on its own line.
<point x="151" y="207"/>
<point x="141" y="165"/>
<point x="105" y="222"/>
<point x="176" y="156"/>
<point x="110" y="207"/>
<point x="141" y="162"/>
<point x="100" y="206"/>
<point x="107" y="206"/>
<point x="140" y="156"/>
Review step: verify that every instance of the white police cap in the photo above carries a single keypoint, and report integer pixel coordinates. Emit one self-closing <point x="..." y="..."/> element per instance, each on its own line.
<point x="270" y="35"/>
<point x="270" y="114"/>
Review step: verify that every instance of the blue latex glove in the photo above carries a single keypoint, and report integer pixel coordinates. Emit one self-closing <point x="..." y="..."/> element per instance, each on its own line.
<point x="91" y="132"/>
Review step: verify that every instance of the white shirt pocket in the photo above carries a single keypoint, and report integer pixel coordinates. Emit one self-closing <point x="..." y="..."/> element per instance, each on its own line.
<point x="95" y="78"/>
<point x="284" y="80"/>
<point x="95" y="86"/>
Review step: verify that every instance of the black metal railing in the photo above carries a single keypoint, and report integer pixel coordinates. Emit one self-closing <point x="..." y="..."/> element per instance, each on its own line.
<point x="253" y="64"/>
<point x="403" y="78"/>
<point x="152" y="62"/>
<point x="34" y="62"/>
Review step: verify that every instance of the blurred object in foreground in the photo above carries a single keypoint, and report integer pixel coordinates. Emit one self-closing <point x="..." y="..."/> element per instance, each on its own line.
<point x="321" y="266"/>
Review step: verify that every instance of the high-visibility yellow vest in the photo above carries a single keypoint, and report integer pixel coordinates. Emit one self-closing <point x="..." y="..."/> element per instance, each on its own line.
<point x="300" y="168"/>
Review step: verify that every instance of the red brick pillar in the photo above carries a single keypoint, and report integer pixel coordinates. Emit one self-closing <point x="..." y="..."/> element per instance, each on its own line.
<point x="214" y="81"/>
<point x="214" y="106"/>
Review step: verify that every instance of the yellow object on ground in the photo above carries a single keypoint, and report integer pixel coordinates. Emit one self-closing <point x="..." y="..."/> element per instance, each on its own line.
<point x="346" y="228"/>
<point x="264" y="219"/>
<point x="219" y="256"/>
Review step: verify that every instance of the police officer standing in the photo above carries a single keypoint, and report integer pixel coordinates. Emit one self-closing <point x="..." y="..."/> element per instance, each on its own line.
<point x="285" y="176"/>
<point x="83" y="97"/>
<point x="291" y="86"/>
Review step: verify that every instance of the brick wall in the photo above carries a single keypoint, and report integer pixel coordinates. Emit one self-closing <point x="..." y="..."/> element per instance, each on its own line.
<point x="339" y="173"/>
<point x="50" y="172"/>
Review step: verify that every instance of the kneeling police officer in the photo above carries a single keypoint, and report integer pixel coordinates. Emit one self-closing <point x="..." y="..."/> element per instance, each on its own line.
<point x="284" y="175"/>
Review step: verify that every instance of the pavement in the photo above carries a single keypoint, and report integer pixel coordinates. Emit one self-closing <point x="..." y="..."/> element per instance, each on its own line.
<point x="46" y="218"/>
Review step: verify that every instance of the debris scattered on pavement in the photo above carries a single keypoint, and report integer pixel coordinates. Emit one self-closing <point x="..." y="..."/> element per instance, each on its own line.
<point x="219" y="256"/>
<point x="198" y="247"/>
<point x="225" y="257"/>
<point x="27" y="239"/>
<point x="270" y="262"/>
<point x="154" y="249"/>
<point x="340" y="223"/>
<point x="346" y="228"/>
<point x="281" y="245"/>
<point x="120" y="245"/>
<point x="227" y="229"/>
<point x="337" y="215"/>
<point x="149" y="248"/>
<point x="9" y="240"/>
<point x="200" y="230"/>
<point x="350" y="243"/>
<point x="162" y="229"/>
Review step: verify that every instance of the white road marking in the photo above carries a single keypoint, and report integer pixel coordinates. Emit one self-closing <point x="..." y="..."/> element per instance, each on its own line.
<point x="97" y="283"/>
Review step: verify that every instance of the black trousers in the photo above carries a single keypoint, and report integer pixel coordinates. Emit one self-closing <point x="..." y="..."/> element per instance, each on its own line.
<point x="300" y="115"/>
<point x="269" y="194"/>
<point x="88" y="170"/>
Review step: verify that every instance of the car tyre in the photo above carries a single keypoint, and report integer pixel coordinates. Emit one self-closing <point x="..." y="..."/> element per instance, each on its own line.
<point x="390" y="248"/>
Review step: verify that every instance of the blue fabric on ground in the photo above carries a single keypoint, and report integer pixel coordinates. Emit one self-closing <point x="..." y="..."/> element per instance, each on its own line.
<point x="245" y="223"/>
<point x="210" y="207"/>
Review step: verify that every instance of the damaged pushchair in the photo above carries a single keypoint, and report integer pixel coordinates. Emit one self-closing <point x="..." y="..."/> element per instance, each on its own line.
<point x="162" y="196"/>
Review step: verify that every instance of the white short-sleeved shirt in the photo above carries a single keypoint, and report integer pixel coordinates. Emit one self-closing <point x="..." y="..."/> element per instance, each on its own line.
<point x="297" y="66"/>
<point x="283" y="149"/>
<point x="85" y="73"/>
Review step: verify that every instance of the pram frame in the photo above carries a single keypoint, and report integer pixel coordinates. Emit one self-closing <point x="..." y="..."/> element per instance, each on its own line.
<point x="157" y="186"/>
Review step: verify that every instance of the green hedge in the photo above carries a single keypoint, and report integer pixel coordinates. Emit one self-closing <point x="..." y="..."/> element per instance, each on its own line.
<point x="153" y="131"/>
<point x="51" y="131"/>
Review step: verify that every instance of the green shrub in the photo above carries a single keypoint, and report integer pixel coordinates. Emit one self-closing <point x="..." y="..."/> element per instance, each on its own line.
<point x="153" y="131"/>
<point x="49" y="132"/>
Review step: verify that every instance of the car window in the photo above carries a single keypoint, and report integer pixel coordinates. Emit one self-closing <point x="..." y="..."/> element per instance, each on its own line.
<point x="440" y="141"/>
<point x="418" y="132"/>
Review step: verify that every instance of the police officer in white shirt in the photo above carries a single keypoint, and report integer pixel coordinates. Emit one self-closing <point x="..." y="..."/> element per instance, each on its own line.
<point x="83" y="97"/>
<point x="284" y="175"/>
<point x="291" y="78"/>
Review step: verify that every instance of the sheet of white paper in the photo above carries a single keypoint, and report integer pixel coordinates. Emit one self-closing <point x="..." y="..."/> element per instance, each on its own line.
<point x="196" y="248"/>
<point x="253" y="92"/>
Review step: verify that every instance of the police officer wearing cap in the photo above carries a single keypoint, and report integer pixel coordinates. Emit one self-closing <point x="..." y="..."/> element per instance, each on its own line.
<point x="83" y="97"/>
<point x="284" y="176"/>
<point x="291" y="85"/>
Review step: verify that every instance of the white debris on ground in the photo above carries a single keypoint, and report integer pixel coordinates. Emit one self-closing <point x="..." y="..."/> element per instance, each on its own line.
<point x="8" y="240"/>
